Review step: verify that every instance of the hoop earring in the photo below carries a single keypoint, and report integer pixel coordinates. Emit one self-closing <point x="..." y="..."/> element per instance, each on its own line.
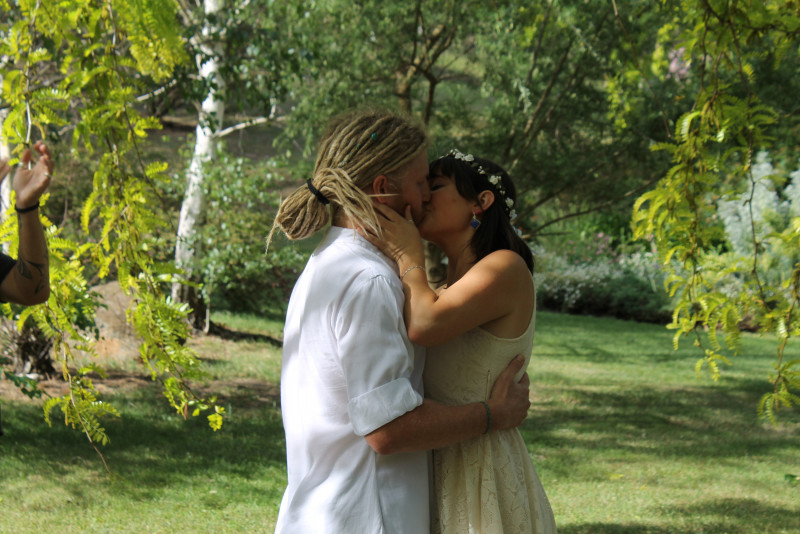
<point x="474" y="223"/>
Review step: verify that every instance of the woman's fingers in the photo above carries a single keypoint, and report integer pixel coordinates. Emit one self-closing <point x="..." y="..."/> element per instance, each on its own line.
<point x="45" y="158"/>
<point x="26" y="158"/>
<point x="385" y="211"/>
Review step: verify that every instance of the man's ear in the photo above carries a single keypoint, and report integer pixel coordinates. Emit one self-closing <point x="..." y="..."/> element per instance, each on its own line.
<point x="485" y="199"/>
<point x="381" y="186"/>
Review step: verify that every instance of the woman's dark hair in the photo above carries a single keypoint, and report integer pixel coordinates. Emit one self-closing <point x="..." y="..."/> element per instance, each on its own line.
<point x="495" y="231"/>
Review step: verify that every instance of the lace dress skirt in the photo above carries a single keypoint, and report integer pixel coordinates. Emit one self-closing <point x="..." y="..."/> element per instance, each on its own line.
<point x="488" y="484"/>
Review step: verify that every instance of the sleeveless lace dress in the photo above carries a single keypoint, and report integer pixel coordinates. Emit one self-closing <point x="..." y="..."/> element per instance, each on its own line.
<point x="488" y="484"/>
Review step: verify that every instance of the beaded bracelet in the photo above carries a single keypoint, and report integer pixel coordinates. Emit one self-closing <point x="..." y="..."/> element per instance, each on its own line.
<point x="411" y="269"/>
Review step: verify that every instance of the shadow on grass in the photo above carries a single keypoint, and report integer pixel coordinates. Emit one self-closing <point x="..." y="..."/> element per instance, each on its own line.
<point x="603" y="340"/>
<point x="737" y="516"/>
<point x="688" y="422"/>
<point x="151" y="446"/>
<point x="222" y="331"/>
<point x="611" y="528"/>
<point x="734" y="517"/>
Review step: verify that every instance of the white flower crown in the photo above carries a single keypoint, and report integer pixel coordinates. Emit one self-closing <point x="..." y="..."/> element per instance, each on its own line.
<point x="494" y="179"/>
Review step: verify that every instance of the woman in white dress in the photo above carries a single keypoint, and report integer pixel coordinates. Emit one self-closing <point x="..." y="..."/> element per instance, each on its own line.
<point x="473" y="326"/>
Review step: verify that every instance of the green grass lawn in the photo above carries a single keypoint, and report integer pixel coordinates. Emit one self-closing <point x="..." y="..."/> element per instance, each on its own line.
<point x="625" y="437"/>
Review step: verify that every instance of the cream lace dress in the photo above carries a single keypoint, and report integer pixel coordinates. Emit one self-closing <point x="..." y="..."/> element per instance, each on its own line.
<point x="488" y="484"/>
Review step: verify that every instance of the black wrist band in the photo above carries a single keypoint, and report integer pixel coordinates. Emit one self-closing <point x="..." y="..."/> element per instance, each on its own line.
<point x="26" y="210"/>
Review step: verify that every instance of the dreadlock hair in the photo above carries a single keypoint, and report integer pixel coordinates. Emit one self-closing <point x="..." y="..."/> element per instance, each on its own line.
<point x="495" y="231"/>
<point x="357" y="147"/>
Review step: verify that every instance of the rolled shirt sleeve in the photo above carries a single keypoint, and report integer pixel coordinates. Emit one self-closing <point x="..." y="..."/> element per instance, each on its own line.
<point x="376" y="356"/>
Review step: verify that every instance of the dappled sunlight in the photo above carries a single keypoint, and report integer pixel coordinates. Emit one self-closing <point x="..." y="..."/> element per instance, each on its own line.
<point x="623" y="444"/>
<point x="617" y="438"/>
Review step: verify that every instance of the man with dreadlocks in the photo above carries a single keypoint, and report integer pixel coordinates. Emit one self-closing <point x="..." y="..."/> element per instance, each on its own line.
<point x="357" y="425"/>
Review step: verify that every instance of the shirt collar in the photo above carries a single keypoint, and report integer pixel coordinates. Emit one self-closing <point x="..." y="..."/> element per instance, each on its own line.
<point x="336" y="233"/>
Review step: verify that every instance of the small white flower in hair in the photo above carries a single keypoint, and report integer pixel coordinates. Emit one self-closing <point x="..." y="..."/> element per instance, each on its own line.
<point x="460" y="155"/>
<point x="494" y="179"/>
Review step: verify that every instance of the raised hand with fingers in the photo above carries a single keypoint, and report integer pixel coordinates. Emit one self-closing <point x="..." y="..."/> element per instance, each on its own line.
<point x="32" y="178"/>
<point x="26" y="280"/>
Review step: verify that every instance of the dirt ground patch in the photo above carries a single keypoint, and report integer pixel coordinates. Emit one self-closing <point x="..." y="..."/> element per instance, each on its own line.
<point x="115" y="381"/>
<point x="118" y="347"/>
<point x="243" y="392"/>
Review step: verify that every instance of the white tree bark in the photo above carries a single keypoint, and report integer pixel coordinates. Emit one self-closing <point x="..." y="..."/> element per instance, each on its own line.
<point x="7" y="185"/>
<point x="209" y="122"/>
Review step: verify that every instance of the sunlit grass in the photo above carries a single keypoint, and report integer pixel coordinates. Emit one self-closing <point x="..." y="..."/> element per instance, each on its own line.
<point x="625" y="437"/>
<point x="169" y="475"/>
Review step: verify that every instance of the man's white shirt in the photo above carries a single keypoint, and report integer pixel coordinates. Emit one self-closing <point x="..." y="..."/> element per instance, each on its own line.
<point x="348" y="369"/>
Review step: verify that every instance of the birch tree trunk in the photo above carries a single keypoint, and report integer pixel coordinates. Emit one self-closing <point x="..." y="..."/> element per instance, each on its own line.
<point x="192" y="209"/>
<point x="6" y="186"/>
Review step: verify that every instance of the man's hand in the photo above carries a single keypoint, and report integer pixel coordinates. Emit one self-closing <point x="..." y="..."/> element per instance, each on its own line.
<point x="31" y="180"/>
<point x="510" y="400"/>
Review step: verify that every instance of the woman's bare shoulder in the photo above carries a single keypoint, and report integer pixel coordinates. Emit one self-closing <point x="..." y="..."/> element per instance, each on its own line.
<point x="506" y="262"/>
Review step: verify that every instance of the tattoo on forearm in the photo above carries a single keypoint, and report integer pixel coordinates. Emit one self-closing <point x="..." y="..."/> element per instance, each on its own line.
<point x="25" y="271"/>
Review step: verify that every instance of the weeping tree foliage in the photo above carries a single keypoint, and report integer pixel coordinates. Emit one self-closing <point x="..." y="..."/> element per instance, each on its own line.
<point x="73" y="69"/>
<point x="724" y="44"/>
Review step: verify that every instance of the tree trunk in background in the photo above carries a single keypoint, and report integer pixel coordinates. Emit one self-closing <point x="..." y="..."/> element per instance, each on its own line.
<point x="434" y="265"/>
<point x="191" y="217"/>
<point x="6" y="186"/>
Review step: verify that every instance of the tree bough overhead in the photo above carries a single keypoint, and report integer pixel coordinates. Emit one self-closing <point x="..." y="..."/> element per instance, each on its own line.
<point x="74" y="68"/>
<point x="713" y="154"/>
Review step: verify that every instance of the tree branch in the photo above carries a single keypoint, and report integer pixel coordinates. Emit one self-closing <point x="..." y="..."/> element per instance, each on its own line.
<point x="246" y="124"/>
<point x="573" y="184"/>
<point x="540" y="104"/>
<point x="598" y="206"/>
<point x="153" y="94"/>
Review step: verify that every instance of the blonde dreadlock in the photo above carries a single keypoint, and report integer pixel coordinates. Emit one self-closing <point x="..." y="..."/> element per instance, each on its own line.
<point x="356" y="148"/>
